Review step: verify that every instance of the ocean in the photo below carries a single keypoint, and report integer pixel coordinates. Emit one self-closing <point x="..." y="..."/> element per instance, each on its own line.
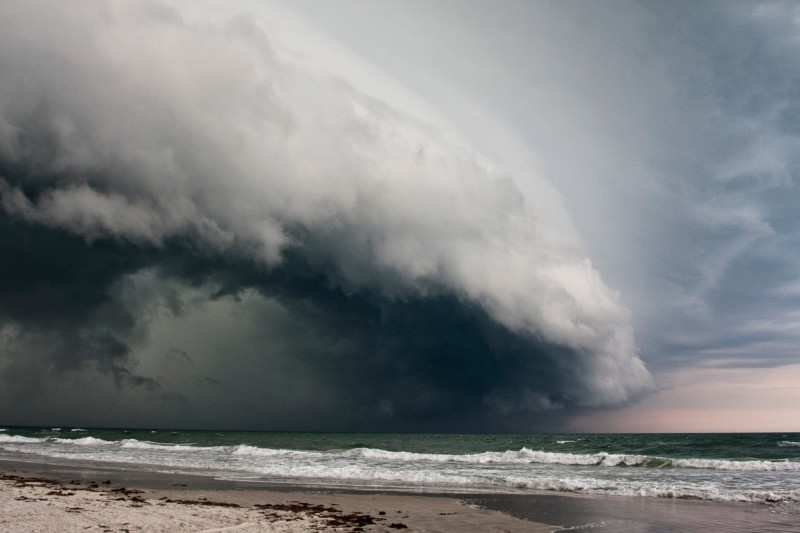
<point x="763" y="468"/>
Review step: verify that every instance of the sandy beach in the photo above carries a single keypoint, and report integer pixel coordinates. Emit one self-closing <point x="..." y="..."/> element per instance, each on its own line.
<point x="56" y="498"/>
<point x="30" y="503"/>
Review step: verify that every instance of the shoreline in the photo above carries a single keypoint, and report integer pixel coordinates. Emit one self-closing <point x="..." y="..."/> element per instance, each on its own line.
<point x="30" y="501"/>
<point x="178" y="496"/>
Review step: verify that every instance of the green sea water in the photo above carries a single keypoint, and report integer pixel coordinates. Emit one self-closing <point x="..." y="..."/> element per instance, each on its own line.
<point x="720" y="467"/>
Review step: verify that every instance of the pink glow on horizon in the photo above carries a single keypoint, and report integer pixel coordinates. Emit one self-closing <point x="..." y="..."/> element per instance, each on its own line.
<point x="709" y="399"/>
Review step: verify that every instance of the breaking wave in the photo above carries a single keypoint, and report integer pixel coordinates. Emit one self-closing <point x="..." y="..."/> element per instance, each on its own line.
<point x="509" y="457"/>
<point x="524" y="469"/>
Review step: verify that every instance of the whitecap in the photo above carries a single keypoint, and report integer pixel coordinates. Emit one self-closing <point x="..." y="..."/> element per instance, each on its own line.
<point x="742" y="465"/>
<point x="84" y="441"/>
<point x="19" y="438"/>
<point x="146" y="445"/>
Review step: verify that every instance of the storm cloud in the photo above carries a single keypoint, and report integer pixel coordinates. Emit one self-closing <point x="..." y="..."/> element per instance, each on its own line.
<point x="201" y="227"/>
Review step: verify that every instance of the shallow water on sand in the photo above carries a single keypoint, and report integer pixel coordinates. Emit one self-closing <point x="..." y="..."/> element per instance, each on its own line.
<point x="604" y="514"/>
<point x="565" y="512"/>
<point x="616" y="482"/>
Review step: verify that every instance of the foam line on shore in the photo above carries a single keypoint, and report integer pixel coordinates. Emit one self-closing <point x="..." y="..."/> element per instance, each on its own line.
<point x="29" y="502"/>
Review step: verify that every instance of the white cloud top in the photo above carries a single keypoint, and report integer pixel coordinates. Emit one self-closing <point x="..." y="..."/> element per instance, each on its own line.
<point x="146" y="124"/>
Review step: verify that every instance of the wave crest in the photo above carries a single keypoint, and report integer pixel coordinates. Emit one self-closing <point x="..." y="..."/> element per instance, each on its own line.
<point x="85" y="441"/>
<point x="146" y="445"/>
<point x="380" y="457"/>
<point x="19" y="439"/>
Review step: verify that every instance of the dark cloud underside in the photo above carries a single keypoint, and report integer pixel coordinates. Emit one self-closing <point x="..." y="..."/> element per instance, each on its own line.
<point x="200" y="230"/>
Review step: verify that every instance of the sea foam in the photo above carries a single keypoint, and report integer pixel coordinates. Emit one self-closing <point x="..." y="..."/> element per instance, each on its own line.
<point x="524" y="469"/>
<point x="85" y="441"/>
<point x="19" y="438"/>
<point x="145" y="445"/>
<point x="508" y="457"/>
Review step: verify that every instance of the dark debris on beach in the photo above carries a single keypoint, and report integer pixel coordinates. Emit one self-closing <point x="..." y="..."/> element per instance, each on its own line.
<point x="331" y="518"/>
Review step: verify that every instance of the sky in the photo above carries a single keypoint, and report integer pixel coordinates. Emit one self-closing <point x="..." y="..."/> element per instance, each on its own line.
<point x="400" y="215"/>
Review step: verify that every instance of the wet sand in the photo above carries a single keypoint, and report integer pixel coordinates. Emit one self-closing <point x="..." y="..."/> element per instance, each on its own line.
<point x="620" y="514"/>
<point x="47" y="498"/>
<point x="30" y="502"/>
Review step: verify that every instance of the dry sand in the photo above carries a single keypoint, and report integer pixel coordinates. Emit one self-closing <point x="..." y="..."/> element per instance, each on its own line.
<point x="35" y="504"/>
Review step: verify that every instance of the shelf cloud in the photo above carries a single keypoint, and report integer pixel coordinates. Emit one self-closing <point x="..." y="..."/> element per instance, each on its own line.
<point x="168" y="177"/>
